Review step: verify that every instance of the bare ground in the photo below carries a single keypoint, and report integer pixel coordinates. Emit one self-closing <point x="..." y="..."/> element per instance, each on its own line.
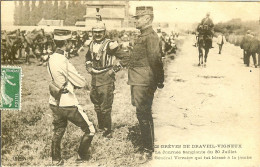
<point x="216" y="104"/>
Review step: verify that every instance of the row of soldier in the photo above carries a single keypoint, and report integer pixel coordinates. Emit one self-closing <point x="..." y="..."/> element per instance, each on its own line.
<point x="39" y="44"/>
<point x="36" y="43"/>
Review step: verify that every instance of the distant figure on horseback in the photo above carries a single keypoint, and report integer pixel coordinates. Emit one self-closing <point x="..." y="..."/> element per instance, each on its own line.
<point x="206" y="32"/>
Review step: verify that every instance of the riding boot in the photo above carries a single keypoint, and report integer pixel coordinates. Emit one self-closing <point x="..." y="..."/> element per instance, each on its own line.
<point x="147" y="134"/>
<point x="107" y="124"/>
<point x="55" y="151"/>
<point x="100" y="121"/>
<point x="85" y="143"/>
<point x="99" y="117"/>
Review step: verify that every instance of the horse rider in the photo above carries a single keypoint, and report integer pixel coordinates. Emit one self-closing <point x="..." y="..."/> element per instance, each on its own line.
<point x="63" y="102"/>
<point x="206" y="29"/>
<point x="101" y="64"/>
<point x="221" y="40"/>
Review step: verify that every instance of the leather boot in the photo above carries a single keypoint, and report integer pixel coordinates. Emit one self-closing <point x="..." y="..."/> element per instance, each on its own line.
<point x="147" y="134"/>
<point x="100" y="121"/>
<point x="85" y="143"/>
<point x="55" y="151"/>
<point x="107" y="125"/>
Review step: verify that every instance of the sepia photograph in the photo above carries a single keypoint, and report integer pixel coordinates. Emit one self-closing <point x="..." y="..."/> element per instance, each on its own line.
<point x="130" y="83"/>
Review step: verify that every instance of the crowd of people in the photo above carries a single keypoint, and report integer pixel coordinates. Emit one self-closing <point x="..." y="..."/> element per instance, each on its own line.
<point x="37" y="43"/>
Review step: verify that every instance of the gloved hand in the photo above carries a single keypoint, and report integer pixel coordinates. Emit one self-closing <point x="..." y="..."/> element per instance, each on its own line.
<point x="116" y="68"/>
<point x="160" y="85"/>
<point x="111" y="73"/>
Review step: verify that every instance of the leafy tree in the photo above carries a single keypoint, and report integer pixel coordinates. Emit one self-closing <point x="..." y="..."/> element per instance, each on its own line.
<point x="26" y="13"/>
<point x="80" y="10"/>
<point x="39" y="12"/>
<point x="62" y="12"/>
<point x="33" y="14"/>
<point x="21" y="14"/>
<point x="48" y="10"/>
<point x="71" y="18"/>
<point x="56" y="10"/>
<point x="16" y="13"/>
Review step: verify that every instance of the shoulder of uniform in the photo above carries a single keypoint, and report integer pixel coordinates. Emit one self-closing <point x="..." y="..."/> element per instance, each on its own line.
<point x="112" y="44"/>
<point x="88" y="42"/>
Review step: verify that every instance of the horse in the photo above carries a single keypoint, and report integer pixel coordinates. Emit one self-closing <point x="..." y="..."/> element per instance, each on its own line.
<point x="33" y="43"/>
<point x="204" y="44"/>
<point x="48" y="48"/>
<point x="10" y="44"/>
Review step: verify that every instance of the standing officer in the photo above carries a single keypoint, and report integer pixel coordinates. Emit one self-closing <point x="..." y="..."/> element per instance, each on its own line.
<point x="221" y="41"/>
<point x="101" y="64"/>
<point x="253" y="50"/>
<point x="145" y="74"/>
<point x="245" y="45"/>
<point x="206" y="28"/>
<point x="63" y="101"/>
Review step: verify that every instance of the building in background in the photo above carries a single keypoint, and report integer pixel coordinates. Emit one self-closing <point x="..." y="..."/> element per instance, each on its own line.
<point x="80" y="24"/>
<point x="44" y="22"/>
<point x="115" y="14"/>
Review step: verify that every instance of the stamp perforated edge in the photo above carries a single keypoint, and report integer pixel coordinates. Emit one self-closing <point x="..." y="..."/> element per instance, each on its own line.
<point x="20" y="96"/>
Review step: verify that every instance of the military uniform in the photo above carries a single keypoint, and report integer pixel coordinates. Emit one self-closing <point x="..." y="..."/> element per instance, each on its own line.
<point x="249" y="45"/>
<point x="144" y="74"/>
<point x="206" y="30"/>
<point x="253" y="50"/>
<point x="67" y="108"/>
<point x="100" y="60"/>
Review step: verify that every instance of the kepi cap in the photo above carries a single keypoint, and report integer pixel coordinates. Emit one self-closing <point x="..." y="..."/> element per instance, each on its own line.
<point x="61" y="34"/>
<point x="143" y="10"/>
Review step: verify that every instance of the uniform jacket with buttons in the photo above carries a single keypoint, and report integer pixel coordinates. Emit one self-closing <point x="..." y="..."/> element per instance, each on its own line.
<point x="246" y="42"/>
<point x="145" y="63"/>
<point x="101" y="57"/>
<point x="60" y="69"/>
<point x="254" y="45"/>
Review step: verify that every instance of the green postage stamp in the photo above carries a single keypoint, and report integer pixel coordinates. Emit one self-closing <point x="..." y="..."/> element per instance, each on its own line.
<point x="10" y="98"/>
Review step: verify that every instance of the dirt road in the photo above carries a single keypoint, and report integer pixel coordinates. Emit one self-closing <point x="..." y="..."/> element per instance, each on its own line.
<point x="206" y="106"/>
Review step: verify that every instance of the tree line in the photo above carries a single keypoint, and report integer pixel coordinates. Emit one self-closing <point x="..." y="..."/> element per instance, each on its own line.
<point x="29" y="13"/>
<point x="238" y="27"/>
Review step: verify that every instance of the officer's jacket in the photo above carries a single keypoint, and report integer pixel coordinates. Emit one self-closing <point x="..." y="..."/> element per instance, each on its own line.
<point x="254" y="45"/>
<point x="101" y="58"/>
<point x="60" y="69"/>
<point x="145" y="64"/>
<point x="206" y="27"/>
<point x="246" y="42"/>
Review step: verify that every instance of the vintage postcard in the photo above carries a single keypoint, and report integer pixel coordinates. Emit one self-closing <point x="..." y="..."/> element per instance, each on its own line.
<point x="130" y="83"/>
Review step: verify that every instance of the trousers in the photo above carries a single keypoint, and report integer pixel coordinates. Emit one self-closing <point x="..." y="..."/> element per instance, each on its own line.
<point x="142" y="99"/>
<point x="248" y="55"/>
<point x="61" y="116"/>
<point x="220" y="48"/>
<point x="102" y="97"/>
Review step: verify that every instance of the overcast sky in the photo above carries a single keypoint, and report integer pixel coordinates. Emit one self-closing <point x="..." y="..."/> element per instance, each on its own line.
<point x="178" y="11"/>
